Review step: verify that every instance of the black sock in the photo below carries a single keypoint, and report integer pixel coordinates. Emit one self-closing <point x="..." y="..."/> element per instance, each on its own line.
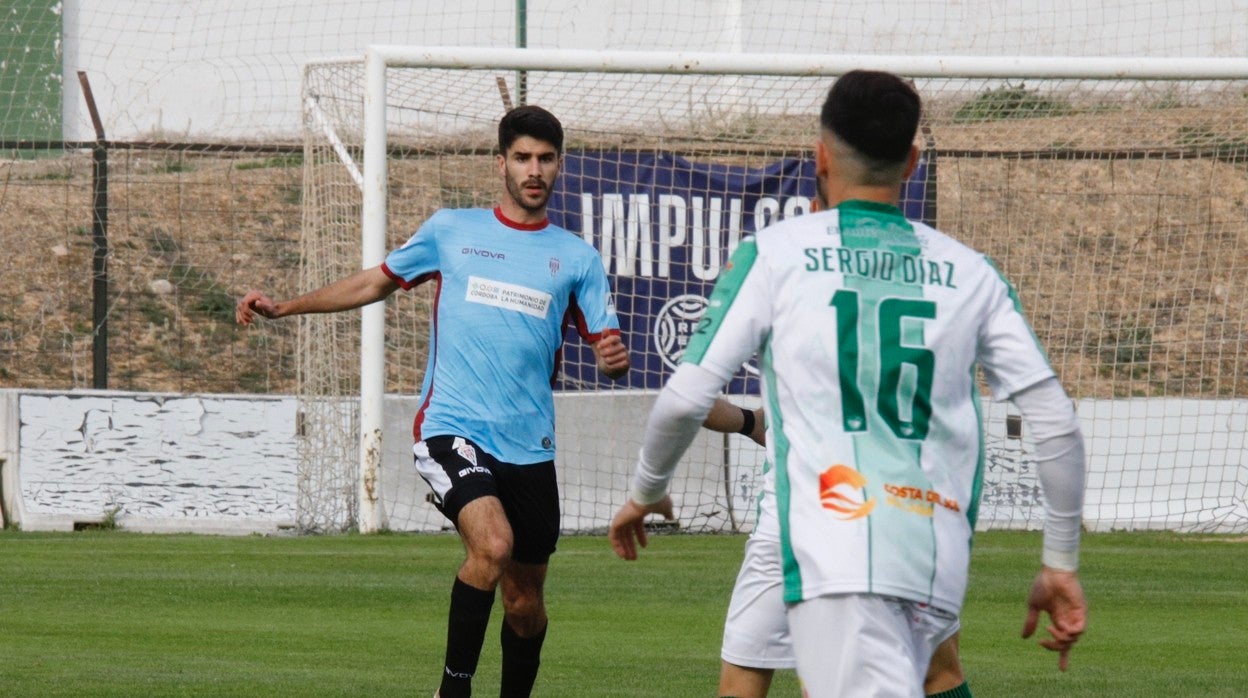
<point x="521" y="657"/>
<point x="465" y="633"/>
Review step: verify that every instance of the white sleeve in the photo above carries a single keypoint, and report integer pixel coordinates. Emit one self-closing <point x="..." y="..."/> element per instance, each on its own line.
<point x="1008" y="350"/>
<point x="674" y="421"/>
<point x="1060" y="465"/>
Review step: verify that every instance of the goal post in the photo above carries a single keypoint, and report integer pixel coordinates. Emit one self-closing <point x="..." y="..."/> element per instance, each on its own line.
<point x="1086" y="179"/>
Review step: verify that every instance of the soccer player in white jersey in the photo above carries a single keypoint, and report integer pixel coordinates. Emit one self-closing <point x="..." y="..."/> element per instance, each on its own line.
<point x="869" y="329"/>
<point x="756" y="638"/>
<point x="508" y="284"/>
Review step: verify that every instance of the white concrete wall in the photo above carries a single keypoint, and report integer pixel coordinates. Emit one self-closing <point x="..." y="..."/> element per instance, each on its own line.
<point x="227" y="464"/>
<point x="229" y="69"/>
<point x="159" y="462"/>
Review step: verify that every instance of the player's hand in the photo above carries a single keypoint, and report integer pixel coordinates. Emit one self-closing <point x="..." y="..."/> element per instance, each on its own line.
<point x="253" y="304"/>
<point x="612" y="355"/>
<point x="628" y="528"/>
<point x="1059" y="594"/>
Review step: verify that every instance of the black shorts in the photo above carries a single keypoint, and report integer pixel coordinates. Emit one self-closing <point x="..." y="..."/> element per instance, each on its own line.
<point x="458" y="471"/>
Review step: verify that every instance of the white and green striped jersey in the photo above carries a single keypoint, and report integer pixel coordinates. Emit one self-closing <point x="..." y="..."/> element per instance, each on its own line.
<point x="868" y="329"/>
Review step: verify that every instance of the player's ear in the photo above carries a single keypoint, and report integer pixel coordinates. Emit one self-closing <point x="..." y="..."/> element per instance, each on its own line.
<point x="823" y="159"/>
<point x="501" y="161"/>
<point x="912" y="162"/>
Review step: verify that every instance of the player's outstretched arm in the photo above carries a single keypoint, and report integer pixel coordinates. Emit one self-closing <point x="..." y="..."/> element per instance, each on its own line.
<point x="727" y="418"/>
<point x="359" y="289"/>
<point x="612" y="356"/>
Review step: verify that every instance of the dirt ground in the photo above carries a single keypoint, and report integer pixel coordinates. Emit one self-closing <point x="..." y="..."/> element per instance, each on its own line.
<point x="1131" y="268"/>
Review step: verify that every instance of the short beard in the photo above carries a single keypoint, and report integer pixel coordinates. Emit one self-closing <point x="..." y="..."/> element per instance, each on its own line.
<point x="517" y="195"/>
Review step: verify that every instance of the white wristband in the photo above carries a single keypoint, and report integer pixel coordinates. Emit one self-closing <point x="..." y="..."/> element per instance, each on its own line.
<point x="1064" y="560"/>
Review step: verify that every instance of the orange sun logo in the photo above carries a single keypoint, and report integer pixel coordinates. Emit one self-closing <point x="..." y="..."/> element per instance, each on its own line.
<point x="846" y="502"/>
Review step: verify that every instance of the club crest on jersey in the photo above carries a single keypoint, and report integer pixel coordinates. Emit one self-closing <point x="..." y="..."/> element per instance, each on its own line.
<point x="840" y="491"/>
<point x="554" y="266"/>
<point x="465" y="450"/>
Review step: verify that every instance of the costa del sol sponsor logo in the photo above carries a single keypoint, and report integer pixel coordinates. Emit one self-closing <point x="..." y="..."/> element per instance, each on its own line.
<point x="917" y="500"/>
<point x="840" y="490"/>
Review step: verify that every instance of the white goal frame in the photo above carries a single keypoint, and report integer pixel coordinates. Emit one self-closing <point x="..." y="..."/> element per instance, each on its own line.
<point x="378" y="59"/>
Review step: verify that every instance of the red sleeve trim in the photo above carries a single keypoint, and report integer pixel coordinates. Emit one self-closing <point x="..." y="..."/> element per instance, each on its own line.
<point x="404" y="283"/>
<point x="576" y="317"/>
<point x="419" y="420"/>
<point x="591" y="338"/>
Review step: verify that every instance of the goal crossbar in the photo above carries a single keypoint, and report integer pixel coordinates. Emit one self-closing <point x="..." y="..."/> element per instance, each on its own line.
<point x="780" y="64"/>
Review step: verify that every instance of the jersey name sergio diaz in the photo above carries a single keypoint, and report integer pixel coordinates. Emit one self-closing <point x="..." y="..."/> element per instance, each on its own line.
<point x="882" y="265"/>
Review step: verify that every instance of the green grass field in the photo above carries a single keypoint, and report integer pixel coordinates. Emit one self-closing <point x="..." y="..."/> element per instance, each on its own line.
<point x="118" y="614"/>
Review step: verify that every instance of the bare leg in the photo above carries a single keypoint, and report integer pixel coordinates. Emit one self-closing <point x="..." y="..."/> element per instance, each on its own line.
<point x="743" y="682"/>
<point x="945" y="671"/>
<point x="487" y="537"/>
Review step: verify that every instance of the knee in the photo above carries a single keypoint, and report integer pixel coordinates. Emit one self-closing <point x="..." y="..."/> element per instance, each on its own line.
<point x="493" y="549"/>
<point x="489" y="556"/>
<point x="525" y="610"/>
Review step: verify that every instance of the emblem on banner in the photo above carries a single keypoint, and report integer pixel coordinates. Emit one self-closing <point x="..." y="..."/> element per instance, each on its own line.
<point x="676" y="322"/>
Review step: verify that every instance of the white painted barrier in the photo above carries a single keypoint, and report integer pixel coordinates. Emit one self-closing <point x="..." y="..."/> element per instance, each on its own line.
<point x="228" y="464"/>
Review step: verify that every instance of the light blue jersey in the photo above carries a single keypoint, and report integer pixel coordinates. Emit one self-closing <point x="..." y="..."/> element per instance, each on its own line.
<point x="506" y="291"/>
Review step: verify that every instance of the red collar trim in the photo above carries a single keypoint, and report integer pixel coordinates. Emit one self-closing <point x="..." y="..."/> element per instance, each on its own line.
<point x="498" y="213"/>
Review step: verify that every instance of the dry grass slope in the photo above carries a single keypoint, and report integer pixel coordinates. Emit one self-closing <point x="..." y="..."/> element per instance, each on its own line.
<point x="1131" y="269"/>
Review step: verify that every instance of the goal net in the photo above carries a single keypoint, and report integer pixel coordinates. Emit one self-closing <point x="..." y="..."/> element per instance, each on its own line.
<point x="1113" y="195"/>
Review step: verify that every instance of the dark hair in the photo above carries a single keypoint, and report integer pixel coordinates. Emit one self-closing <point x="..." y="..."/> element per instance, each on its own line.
<point x="875" y="113"/>
<point x="532" y="121"/>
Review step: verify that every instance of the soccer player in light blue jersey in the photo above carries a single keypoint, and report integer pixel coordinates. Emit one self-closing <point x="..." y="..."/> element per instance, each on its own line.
<point x="869" y="330"/>
<point x="509" y="282"/>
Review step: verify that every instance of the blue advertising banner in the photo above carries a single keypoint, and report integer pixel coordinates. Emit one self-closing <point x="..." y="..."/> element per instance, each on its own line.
<point x="665" y="226"/>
